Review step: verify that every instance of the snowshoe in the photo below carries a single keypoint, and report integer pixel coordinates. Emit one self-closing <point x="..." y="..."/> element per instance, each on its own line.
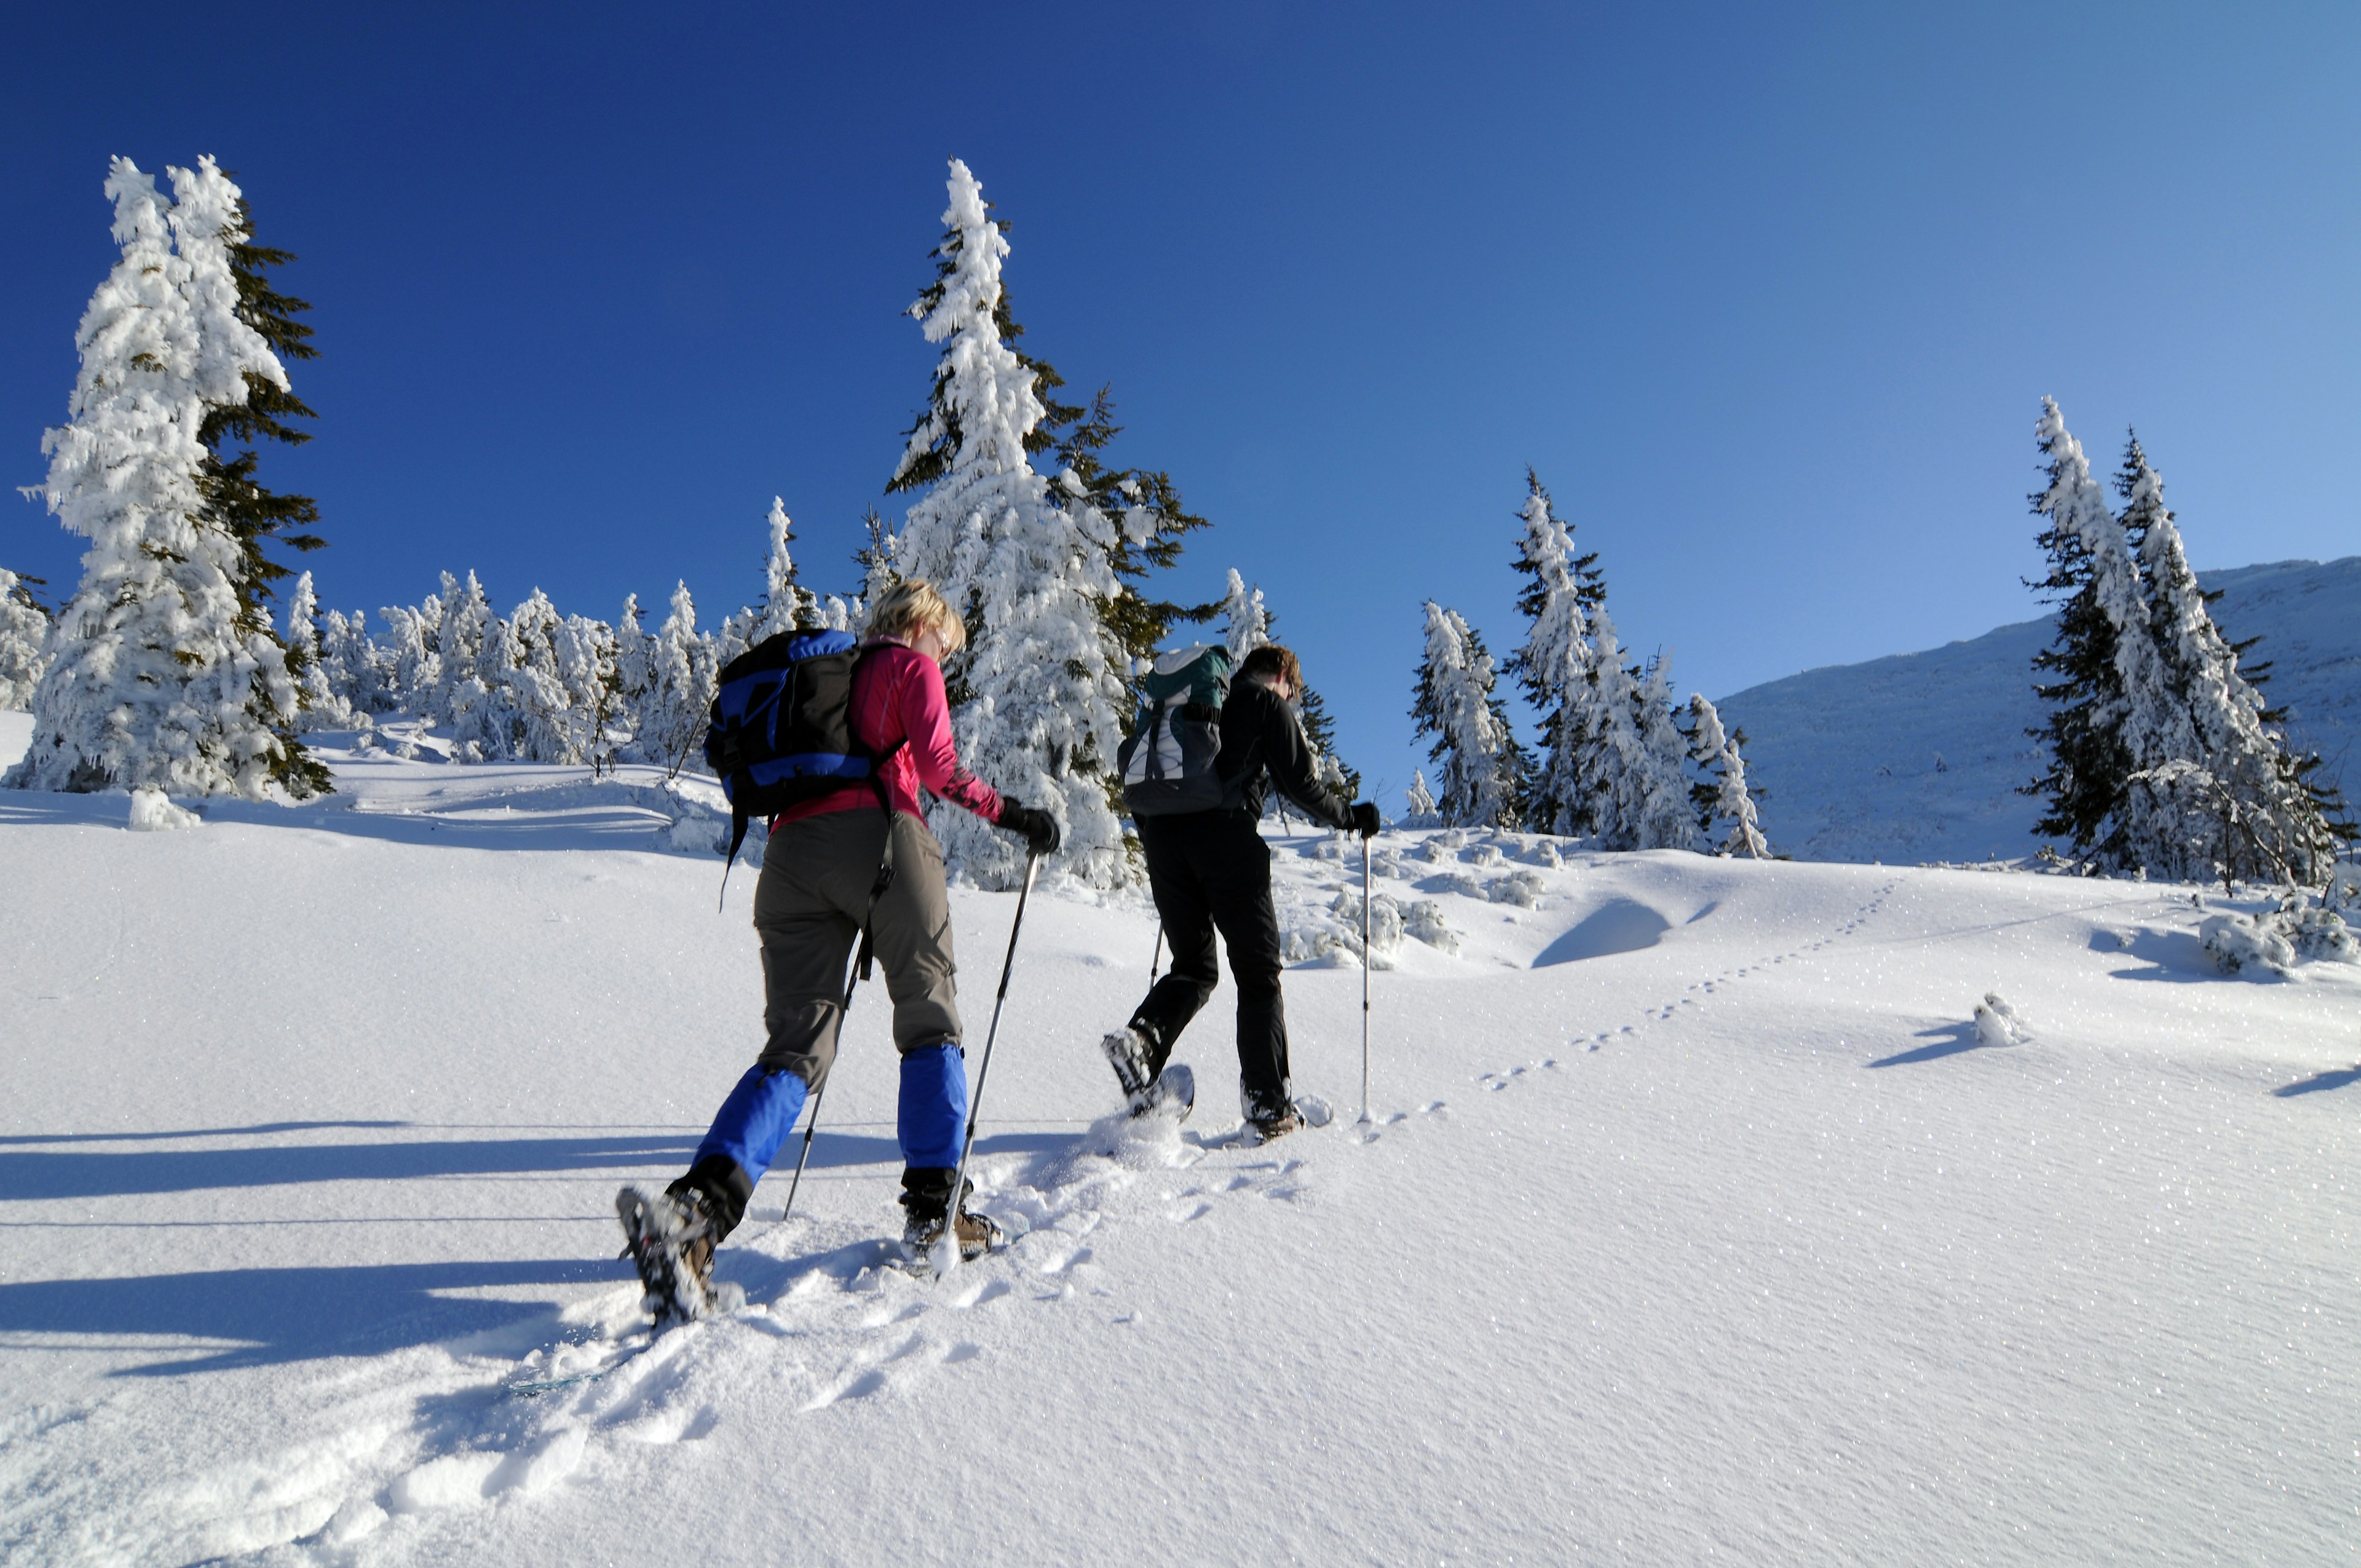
<point x="1173" y="1094"/>
<point x="669" y="1239"/>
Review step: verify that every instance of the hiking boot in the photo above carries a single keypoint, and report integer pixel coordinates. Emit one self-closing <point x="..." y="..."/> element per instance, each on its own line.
<point x="1128" y="1050"/>
<point x="1263" y="1129"/>
<point x="977" y="1235"/>
<point x="926" y="1194"/>
<point x="669" y="1238"/>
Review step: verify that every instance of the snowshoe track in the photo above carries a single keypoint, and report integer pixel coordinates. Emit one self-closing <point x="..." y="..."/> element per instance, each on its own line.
<point x="445" y="1431"/>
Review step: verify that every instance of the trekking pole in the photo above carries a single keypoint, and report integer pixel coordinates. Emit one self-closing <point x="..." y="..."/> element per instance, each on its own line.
<point x="1157" y="957"/>
<point x="947" y="1246"/>
<point x="1367" y="957"/>
<point x="811" y="1125"/>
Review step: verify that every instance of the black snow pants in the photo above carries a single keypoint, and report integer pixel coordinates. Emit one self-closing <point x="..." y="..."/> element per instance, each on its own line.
<point x="1210" y="871"/>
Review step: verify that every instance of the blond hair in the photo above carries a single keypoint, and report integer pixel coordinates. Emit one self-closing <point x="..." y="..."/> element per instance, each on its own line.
<point x="913" y="605"/>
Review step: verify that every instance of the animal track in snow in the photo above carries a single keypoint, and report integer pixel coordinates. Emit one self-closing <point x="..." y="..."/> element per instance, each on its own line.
<point x="1711" y="985"/>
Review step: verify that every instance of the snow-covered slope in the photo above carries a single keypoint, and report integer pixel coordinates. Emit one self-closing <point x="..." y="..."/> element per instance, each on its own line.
<point x="1696" y="1219"/>
<point x="1917" y="757"/>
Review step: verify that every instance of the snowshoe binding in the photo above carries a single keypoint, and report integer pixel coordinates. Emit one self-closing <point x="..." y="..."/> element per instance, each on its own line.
<point x="669" y="1239"/>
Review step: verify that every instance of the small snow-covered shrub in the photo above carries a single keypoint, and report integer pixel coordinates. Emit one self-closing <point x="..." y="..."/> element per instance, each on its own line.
<point x="1523" y="889"/>
<point x="1543" y="852"/>
<point x="2243" y="942"/>
<point x="1453" y="838"/>
<point x="1434" y="851"/>
<point x="2301" y="931"/>
<point x="1426" y="922"/>
<point x="2343" y="895"/>
<point x="1466" y="885"/>
<point x="1334" y="936"/>
<point x="1997" y="1022"/>
<point x="1388" y="863"/>
<point x="1484" y="855"/>
<point x="700" y="822"/>
<point x="2323" y="934"/>
<point x="152" y="812"/>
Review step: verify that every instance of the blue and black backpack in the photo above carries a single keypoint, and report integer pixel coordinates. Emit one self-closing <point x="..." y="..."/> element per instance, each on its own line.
<point x="782" y="728"/>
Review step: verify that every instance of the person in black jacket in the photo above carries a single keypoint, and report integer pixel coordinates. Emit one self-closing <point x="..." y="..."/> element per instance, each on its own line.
<point x="1210" y="871"/>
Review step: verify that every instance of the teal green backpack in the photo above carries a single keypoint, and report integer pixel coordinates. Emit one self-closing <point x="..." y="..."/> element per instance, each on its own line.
<point x="1168" y="762"/>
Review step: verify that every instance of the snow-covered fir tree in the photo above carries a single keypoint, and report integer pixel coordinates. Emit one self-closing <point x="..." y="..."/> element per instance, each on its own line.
<point x="468" y="646"/>
<point x="2111" y="712"/>
<point x="1420" y="800"/>
<point x="410" y="657"/>
<point x="1453" y="703"/>
<point x="24" y="629"/>
<point x="157" y="677"/>
<point x="1721" y="796"/>
<point x="585" y="652"/>
<point x="1038" y="696"/>
<point x="354" y="667"/>
<point x="2247" y="805"/>
<point x="1661" y="741"/>
<point x="1632" y="756"/>
<point x="682" y="675"/>
<point x="1247" y="623"/>
<point x="236" y="500"/>
<point x="550" y="680"/>
<point x="324" y="706"/>
<point x="635" y="661"/>
<point x="2162" y="754"/>
<point x="1555" y="664"/>
<point x="786" y="603"/>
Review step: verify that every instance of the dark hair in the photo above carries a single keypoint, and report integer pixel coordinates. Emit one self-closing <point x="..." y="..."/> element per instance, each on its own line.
<point x="1270" y="659"/>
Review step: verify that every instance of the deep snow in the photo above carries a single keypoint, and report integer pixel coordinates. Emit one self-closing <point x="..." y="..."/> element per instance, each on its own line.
<point x="1698" y="1220"/>
<point x="1918" y="756"/>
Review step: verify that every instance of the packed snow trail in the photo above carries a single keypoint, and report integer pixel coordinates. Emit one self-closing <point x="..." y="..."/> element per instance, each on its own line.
<point x="1698" y="1218"/>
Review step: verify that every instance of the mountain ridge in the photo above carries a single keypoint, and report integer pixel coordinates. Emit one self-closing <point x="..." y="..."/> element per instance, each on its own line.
<point x="1918" y="756"/>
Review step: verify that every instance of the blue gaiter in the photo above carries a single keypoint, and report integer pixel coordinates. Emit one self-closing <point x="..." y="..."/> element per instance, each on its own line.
<point x="755" y="1120"/>
<point x="934" y="1105"/>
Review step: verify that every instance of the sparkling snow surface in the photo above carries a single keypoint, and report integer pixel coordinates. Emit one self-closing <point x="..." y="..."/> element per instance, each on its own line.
<point x="1698" y="1219"/>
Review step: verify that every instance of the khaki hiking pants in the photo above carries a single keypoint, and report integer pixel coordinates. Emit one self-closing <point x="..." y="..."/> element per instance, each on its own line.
<point x="817" y="873"/>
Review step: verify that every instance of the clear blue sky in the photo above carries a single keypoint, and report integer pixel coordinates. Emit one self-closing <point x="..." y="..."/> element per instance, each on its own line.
<point x="1768" y="294"/>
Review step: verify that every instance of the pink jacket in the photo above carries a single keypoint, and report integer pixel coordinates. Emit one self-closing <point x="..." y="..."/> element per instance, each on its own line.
<point x="897" y="694"/>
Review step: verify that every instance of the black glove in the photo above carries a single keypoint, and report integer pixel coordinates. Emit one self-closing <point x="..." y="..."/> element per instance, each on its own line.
<point x="1365" y="820"/>
<point x="1038" y="828"/>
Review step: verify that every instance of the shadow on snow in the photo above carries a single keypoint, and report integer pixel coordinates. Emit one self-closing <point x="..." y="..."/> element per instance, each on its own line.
<point x="1949" y="1040"/>
<point x="1618" y="926"/>
<point x="278" y="1315"/>
<point x="2333" y="1078"/>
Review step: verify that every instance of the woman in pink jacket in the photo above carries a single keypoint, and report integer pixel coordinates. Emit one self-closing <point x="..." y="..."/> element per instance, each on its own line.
<point x="826" y="874"/>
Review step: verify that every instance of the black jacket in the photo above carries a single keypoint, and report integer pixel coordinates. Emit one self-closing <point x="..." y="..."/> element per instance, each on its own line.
<point x="1262" y="745"/>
